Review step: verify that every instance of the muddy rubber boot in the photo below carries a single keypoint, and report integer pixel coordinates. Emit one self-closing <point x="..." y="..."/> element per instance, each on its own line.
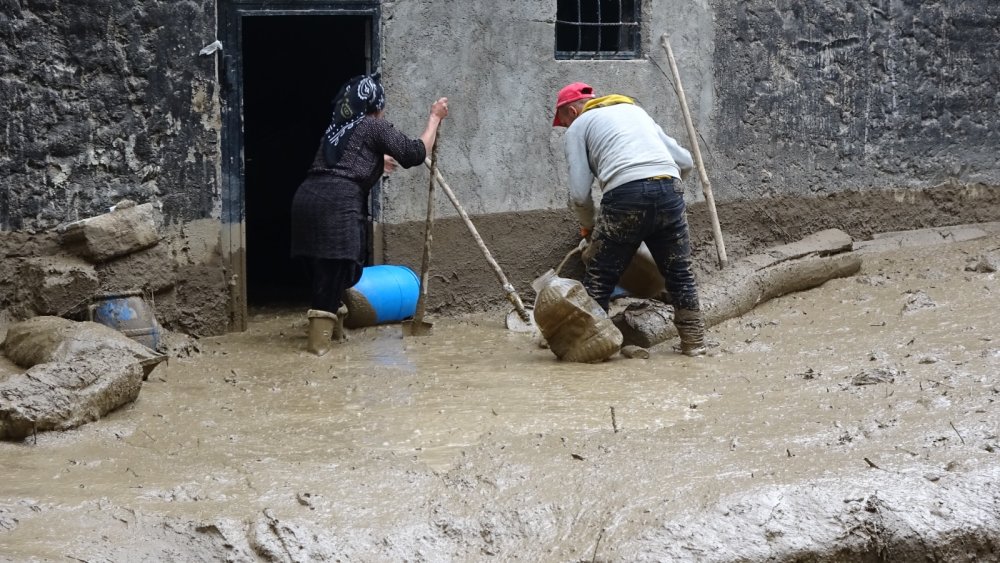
<point x="321" y="325"/>
<point x="339" y="335"/>
<point x="691" y="328"/>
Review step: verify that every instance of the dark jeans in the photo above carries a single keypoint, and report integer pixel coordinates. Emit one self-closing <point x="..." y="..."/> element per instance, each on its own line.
<point x="330" y="279"/>
<point x="650" y="211"/>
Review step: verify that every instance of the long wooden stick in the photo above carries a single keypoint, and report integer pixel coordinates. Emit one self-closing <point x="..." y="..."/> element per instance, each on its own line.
<point x="512" y="295"/>
<point x="425" y="264"/>
<point x="706" y="186"/>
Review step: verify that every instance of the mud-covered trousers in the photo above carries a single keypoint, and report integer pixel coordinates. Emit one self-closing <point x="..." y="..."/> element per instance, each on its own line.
<point x="650" y="211"/>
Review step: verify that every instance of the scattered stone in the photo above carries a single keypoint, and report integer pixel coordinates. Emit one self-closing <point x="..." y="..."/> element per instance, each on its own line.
<point x="178" y="345"/>
<point x="878" y="356"/>
<point x="917" y="300"/>
<point x="873" y="281"/>
<point x="810" y="373"/>
<point x="929" y="360"/>
<point x="645" y="323"/>
<point x="876" y="375"/>
<point x="635" y="352"/>
<point x="985" y="263"/>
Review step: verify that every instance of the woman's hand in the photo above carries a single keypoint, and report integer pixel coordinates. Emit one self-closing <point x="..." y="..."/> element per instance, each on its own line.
<point x="440" y="108"/>
<point x="389" y="165"/>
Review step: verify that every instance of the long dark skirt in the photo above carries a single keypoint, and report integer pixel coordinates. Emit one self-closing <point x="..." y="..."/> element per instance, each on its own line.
<point x="329" y="230"/>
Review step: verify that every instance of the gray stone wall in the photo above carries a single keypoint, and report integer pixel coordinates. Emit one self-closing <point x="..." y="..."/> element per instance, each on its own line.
<point x="105" y="100"/>
<point x="821" y="96"/>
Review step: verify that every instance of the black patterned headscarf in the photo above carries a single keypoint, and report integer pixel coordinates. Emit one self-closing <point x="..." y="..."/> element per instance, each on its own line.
<point x="360" y="96"/>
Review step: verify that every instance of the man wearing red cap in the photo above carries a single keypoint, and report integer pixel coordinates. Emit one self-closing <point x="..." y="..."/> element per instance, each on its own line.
<point x="636" y="165"/>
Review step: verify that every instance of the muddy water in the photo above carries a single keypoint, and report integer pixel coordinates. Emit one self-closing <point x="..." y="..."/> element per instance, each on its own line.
<point x="475" y="442"/>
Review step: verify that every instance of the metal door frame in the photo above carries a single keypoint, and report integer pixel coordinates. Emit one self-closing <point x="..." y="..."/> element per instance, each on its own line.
<point x="231" y="14"/>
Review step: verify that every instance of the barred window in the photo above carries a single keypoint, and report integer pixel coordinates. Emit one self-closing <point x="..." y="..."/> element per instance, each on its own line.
<point x="597" y="29"/>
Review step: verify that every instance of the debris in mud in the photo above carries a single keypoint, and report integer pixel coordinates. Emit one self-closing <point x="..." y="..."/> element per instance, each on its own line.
<point x="878" y="356"/>
<point x="645" y="323"/>
<point x="810" y="373"/>
<point x="985" y="263"/>
<point x="873" y="281"/>
<point x="917" y="300"/>
<point x="876" y="375"/>
<point x="306" y="499"/>
<point x="635" y="352"/>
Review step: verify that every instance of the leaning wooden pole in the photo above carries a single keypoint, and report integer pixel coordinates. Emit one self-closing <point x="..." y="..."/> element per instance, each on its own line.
<point x="508" y="288"/>
<point x="706" y="186"/>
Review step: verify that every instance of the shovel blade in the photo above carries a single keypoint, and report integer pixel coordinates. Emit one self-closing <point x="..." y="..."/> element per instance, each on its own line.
<point x="516" y="324"/>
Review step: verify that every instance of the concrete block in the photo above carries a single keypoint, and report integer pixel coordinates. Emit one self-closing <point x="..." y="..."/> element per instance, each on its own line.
<point x="120" y="232"/>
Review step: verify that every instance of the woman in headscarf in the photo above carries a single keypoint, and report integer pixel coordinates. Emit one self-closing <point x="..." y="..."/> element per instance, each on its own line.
<point x="329" y="211"/>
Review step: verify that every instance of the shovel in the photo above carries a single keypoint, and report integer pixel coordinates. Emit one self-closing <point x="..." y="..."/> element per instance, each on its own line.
<point x="520" y="318"/>
<point x="418" y="326"/>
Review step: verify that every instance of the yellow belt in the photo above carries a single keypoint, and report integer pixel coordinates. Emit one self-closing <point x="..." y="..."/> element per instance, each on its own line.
<point x="664" y="177"/>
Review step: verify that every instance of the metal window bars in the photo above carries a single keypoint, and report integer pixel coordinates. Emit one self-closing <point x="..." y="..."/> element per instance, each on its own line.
<point x="597" y="29"/>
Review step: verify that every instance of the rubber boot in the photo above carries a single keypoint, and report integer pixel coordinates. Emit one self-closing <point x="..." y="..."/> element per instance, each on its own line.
<point x="321" y="325"/>
<point x="691" y="328"/>
<point x="339" y="335"/>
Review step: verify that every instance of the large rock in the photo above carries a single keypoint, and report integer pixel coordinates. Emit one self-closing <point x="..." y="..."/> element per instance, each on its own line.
<point x="55" y="285"/>
<point x="120" y="232"/>
<point x="52" y="339"/>
<point x="152" y="270"/>
<point x="64" y="395"/>
<point x="77" y="373"/>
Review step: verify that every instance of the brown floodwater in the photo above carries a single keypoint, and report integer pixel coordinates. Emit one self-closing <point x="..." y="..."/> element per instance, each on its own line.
<point x="475" y="441"/>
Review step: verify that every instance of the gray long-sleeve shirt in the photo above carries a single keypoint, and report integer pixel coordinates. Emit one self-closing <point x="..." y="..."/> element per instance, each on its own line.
<point x="617" y="144"/>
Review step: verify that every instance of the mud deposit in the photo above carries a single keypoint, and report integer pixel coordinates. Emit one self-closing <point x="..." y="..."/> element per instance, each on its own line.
<point x="852" y="422"/>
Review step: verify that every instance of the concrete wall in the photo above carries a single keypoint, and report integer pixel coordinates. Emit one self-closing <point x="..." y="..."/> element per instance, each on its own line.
<point x="790" y="97"/>
<point x="498" y="147"/>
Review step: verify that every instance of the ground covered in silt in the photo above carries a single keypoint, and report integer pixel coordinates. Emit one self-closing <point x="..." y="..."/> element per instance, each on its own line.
<point x="855" y="421"/>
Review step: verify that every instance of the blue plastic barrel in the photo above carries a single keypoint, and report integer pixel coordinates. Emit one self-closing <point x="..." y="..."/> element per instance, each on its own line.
<point x="129" y="314"/>
<point x="390" y="292"/>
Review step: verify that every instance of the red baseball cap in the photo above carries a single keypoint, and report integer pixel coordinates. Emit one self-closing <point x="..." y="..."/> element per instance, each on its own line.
<point x="571" y="93"/>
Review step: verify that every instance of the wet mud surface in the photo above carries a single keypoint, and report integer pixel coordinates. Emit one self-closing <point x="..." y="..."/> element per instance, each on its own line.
<point x="854" y="421"/>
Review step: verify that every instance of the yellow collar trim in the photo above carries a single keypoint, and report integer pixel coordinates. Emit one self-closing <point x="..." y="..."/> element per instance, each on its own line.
<point x="605" y="101"/>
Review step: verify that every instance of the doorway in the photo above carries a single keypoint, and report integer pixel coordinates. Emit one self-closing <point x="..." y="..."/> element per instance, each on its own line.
<point x="278" y="82"/>
<point x="292" y="68"/>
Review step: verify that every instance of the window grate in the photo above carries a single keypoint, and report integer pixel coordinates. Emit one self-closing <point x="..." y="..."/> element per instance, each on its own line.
<point x="597" y="29"/>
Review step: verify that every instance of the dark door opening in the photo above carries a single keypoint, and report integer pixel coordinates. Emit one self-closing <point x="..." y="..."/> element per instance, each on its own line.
<point x="292" y="67"/>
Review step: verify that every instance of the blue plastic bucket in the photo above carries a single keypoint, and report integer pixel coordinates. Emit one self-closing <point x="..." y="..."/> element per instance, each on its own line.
<point x="129" y="314"/>
<point x="389" y="293"/>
